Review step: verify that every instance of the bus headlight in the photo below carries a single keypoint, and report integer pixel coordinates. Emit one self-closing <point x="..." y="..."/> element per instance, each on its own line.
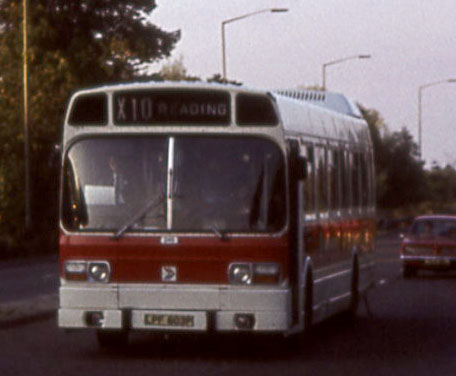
<point x="254" y="273"/>
<point x="240" y="274"/>
<point x="99" y="271"/>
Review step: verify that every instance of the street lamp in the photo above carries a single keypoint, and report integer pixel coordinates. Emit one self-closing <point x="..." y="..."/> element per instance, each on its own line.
<point x="272" y="10"/>
<point x="26" y="128"/>
<point x="420" y="93"/>
<point x="333" y="62"/>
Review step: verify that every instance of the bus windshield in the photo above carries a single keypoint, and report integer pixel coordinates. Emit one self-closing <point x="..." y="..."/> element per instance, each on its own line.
<point x="179" y="184"/>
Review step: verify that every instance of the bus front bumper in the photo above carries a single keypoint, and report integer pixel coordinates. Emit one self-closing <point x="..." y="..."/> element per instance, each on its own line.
<point x="175" y="308"/>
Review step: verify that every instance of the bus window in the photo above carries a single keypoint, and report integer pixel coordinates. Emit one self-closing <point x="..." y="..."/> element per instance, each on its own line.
<point x="230" y="184"/>
<point x="355" y="179"/>
<point x="256" y="110"/>
<point x="364" y="180"/>
<point x="90" y="109"/>
<point x="110" y="180"/>
<point x="309" y="187"/>
<point x="321" y="175"/>
<point x="372" y="180"/>
<point x="334" y="167"/>
<point x="344" y="180"/>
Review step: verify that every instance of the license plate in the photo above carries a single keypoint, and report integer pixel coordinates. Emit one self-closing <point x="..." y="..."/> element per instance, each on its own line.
<point x="187" y="321"/>
<point x="437" y="262"/>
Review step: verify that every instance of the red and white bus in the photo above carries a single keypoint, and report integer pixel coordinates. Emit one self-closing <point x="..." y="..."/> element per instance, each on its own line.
<point x="211" y="208"/>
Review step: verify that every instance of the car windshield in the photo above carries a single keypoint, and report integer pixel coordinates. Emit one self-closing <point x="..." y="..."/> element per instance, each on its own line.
<point x="434" y="228"/>
<point x="187" y="184"/>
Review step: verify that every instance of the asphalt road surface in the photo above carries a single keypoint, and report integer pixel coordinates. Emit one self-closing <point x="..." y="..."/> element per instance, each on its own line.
<point x="23" y="279"/>
<point x="411" y="331"/>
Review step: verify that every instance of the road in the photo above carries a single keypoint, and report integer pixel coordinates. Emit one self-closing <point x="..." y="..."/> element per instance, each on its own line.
<point x="411" y="331"/>
<point x="23" y="279"/>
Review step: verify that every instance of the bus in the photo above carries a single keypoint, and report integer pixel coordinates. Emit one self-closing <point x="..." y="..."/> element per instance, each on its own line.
<point x="212" y="208"/>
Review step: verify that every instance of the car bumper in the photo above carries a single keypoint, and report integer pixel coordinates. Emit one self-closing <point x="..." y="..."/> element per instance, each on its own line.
<point x="429" y="262"/>
<point x="175" y="308"/>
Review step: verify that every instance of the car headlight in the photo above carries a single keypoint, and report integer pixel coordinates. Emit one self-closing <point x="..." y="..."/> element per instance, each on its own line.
<point x="98" y="271"/>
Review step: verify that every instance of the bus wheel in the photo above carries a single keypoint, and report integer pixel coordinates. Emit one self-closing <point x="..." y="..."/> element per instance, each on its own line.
<point x="112" y="339"/>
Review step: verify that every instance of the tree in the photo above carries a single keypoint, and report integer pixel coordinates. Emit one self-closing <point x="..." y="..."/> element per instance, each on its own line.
<point x="442" y="188"/>
<point x="72" y="43"/>
<point x="406" y="182"/>
<point x="400" y="176"/>
<point x="217" y="78"/>
<point x="176" y="71"/>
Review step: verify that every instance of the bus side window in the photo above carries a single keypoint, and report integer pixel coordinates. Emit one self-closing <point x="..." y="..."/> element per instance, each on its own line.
<point x="334" y="183"/>
<point x="355" y="179"/>
<point x="322" y="186"/>
<point x="364" y="181"/>
<point x="371" y="168"/>
<point x="344" y="180"/>
<point x="309" y="187"/>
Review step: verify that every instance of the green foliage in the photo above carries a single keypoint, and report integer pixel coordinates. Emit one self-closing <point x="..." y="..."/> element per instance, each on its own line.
<point x="442" y="189"/>
<point x="400" y="175"/>
<point x="219" y="79"/>
<point x="175" y="71"/>
<point x="72" y="44"/>
<point x="405" y="177"/>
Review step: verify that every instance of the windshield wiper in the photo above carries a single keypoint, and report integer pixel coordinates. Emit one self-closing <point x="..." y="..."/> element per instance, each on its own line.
<point x="150" y="204"/>
<point x="218" y="233"/>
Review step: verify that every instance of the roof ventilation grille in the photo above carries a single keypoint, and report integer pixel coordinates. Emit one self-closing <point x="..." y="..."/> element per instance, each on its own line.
<point x="333" y="101"/>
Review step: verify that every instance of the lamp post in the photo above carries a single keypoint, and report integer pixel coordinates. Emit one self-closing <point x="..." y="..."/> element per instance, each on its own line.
<point x="333" y="62"/>
<point x="420" y="95"/>
<point x="272" y="10"/>
<point x="26" y="128"/>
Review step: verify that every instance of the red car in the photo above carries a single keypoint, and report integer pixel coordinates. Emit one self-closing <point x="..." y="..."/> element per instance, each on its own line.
<point x="430" y="243"/>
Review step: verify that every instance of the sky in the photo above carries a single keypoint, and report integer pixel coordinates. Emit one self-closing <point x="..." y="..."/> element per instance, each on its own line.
<point x="411" y="43"/>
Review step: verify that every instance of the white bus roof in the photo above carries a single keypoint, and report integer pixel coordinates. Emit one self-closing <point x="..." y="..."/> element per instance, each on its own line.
<point x="311" y="114"/>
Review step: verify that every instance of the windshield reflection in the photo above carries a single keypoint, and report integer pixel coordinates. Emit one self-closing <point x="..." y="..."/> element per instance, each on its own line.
<point x="228" y="184"/>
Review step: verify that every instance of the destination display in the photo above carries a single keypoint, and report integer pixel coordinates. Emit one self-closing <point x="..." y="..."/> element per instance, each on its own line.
<point x="155" y="107"/>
